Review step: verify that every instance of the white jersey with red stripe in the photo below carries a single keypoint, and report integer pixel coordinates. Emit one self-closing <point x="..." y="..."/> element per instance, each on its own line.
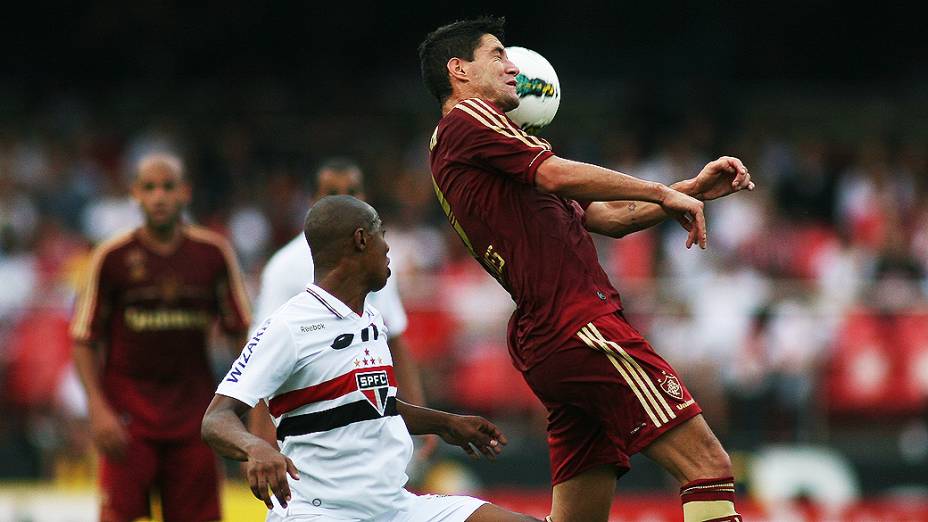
<point x="327" y="376"/>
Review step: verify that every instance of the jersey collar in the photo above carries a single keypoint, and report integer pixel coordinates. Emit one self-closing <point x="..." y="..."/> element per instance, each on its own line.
<point x="332" y="303"/>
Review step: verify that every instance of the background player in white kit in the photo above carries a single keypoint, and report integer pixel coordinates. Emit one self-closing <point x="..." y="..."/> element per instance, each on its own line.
<point x="323" y="364"/>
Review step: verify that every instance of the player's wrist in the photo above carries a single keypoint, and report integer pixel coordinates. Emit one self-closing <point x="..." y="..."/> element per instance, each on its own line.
<point x="254" y="447"/>
<point x="661" y="193"/>
<point x="688" y="187"/>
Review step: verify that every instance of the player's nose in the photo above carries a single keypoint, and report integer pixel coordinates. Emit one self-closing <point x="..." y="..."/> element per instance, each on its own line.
<point x="511" y="68"/>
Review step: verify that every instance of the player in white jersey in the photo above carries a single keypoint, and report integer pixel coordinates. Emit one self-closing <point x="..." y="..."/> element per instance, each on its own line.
<point x="323" y="364"/>
<point x="290" y="269"/>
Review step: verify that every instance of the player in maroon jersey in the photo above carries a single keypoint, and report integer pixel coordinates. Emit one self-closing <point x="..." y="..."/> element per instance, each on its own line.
<point x="525" y="215"/>
<point x="140" y="333"/>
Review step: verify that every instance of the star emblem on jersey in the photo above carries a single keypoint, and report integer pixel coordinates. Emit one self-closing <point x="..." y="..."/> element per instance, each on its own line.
<point x="375" y="386"/>
<point x="671" y="386"/>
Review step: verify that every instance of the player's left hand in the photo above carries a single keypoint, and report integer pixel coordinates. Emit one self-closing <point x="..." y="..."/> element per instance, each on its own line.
<point x="470" y="432"/>
<point x="721" y="177"/>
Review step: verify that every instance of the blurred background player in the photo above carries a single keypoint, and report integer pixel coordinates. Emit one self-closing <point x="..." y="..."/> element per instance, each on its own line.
<point x="526" y="216"/>
<point x="290" y="269"/>
<point x="140" y="332"/>
<point x="321" y="362"/>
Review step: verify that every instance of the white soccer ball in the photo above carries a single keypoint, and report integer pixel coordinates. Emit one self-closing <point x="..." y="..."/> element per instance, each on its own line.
<point x="538" y="88"/>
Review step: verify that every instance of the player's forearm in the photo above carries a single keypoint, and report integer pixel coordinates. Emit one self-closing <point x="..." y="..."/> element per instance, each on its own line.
<point x="407" y="372"/>
<point x="423" y="421"/>
<point x="620" y="218"/>
<point x="260" y="424"/>
<point x="224" y="431"/>
<point x="583" y="181"/>
<point x="87" y="365"/>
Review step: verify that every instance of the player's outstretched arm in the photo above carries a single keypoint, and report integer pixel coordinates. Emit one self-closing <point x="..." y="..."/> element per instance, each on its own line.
<point x="576" y="180"/>
<point x="223" y="430"/>
<point x="466" y="431"/>
<point x="718" y="178"/>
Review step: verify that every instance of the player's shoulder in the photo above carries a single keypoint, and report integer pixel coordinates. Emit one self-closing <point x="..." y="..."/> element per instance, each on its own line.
<point x="205" y="236"/>
<point x="305" y="314"/>
<point x="476" y="113"/>
<point x="114" y="245"/>
<point x="211" y="245"/>
<point x="294" y="251"/>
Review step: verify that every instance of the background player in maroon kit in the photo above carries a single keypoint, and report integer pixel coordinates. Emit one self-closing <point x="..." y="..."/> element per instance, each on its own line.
<point x="525" y="215"/>
<point x="140" y="331"/>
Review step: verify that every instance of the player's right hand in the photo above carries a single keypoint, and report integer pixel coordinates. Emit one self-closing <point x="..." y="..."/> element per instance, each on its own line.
<point x="689" y="212"/>
<point x="108" y="433"/>
<point x="268" y="468"/>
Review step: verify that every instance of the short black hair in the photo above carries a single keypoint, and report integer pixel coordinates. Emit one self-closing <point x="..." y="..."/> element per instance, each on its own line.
<point x="456" y="40"/>
<point x="330" y="224"/>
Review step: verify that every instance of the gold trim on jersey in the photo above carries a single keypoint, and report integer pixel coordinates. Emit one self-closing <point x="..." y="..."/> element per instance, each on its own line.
<point x="484" y="114"/>
<point x="634" y="375"/>
<point x="504" y="121"/>
<point x="235" y="273"/>
<point x="433" y="140"/>
<point x="446" y="207"/>
<point x="87" y="302"/>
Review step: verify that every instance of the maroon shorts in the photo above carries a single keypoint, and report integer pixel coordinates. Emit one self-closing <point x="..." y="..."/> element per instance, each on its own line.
<point x="184" y="472"/>
<point x="608" y="396"/>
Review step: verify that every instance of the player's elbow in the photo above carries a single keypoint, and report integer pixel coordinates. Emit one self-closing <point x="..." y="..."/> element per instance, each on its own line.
<point x="206" y="429"/>
<point x="551" y="176"/>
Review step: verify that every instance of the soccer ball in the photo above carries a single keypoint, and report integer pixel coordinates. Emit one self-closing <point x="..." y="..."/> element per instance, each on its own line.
<point x="538" y="88"/>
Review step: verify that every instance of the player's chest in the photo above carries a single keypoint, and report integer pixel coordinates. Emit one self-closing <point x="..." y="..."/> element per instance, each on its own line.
<point x="143" y="276"/>
<point x="347" y="346"/>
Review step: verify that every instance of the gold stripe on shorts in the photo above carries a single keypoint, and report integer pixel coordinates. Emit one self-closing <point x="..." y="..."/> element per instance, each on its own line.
<point x="587" y="337"/>
<point x="631" y="360"/>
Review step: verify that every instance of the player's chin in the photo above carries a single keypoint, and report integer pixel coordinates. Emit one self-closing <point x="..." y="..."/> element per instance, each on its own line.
<point x="380" y="282"/>
<point x="508" y="102"/>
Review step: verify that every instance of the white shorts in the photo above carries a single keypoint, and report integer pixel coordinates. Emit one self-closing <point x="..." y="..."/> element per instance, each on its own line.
<point x="419" y="508"/>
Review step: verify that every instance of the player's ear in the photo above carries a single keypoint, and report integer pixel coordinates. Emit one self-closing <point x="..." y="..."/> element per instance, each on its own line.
<point x="456" y="69"/>
<point x="360" y="239"/>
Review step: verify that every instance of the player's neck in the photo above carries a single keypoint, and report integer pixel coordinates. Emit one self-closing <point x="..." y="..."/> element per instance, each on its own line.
<point x="456" y="98"/>
<point x="162" y="239"/>
<point x="348" y="290"/>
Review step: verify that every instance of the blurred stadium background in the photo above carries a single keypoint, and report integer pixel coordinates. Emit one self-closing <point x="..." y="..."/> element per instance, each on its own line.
<point x="803" y="331"/>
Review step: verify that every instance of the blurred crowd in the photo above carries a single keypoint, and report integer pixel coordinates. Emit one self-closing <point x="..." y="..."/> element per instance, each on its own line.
<point x="807" y="312"/>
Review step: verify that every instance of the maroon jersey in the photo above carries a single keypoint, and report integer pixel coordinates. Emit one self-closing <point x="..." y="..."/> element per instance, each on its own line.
<point x="152" y="312"/>
<point x="533" y="243"/>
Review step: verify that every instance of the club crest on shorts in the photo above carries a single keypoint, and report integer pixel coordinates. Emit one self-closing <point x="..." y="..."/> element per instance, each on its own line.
<point x="671" y="386"/>
<point x="375" y="386"/>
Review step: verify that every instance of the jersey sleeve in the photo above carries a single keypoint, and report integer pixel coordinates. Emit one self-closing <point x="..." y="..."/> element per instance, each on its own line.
<point x="266" y="361"/>
<point x="94" y="301"/>
<point x="234" y="309"/>
<point x="479" y="135"/>
<point x="388" y="302"/>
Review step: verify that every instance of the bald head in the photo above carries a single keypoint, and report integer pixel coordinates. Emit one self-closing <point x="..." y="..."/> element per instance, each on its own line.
<point x="331" y="225"/>
<point x="160" y="161"/>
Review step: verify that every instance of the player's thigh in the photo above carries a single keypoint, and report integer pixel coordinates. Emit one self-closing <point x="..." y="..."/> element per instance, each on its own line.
<point x="126" y="484"/>
<point x="586" y="497"/>
<point x="650" y="398"/>
<point x="690" y="451"/>
<point x="188" y="477"/>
